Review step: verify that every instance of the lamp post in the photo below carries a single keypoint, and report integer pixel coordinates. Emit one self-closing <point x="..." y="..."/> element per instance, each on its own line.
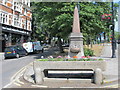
<point x="78" y="6"/>
<point x="113" y="38"/>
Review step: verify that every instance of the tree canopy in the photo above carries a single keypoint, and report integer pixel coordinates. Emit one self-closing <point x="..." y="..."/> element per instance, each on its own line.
<point x="55" y="19"/>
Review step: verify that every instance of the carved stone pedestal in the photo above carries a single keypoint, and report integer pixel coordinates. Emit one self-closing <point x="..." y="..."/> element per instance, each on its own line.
<point x="76" y="45"/>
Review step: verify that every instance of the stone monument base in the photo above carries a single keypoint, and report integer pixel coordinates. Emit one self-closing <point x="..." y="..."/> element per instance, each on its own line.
<point x="76" y="45"/>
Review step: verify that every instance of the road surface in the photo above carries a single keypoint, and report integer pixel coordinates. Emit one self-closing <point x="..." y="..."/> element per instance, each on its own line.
<point x="12" y="66"/>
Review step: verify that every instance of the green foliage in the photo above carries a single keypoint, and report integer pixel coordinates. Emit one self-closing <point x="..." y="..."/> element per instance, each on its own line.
<point x="62" y="59"/>
<point x="88" y="52"/>
<point x="56" y="18"/>
<point x="117" y="35"/>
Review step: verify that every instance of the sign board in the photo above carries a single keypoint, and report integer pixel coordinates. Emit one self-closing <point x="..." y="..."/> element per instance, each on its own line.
<point x="15" y="30"/>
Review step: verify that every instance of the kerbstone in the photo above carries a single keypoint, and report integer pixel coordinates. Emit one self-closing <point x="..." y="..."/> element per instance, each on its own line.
<point x="28" y="73"/>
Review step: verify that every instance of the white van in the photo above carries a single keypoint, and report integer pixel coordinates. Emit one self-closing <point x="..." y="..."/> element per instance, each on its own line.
<point x="33" y="47"/>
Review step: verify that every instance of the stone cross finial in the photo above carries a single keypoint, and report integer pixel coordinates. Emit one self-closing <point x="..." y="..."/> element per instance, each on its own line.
<point x="76" y="23"/>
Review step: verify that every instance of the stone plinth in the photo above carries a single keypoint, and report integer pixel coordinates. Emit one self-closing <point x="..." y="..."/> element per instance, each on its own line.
<point x="76" y="42"/>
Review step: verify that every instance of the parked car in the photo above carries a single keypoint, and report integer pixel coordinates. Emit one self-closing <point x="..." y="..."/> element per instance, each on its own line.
<point x="33" y="47"/>
<point x="65" y="45"/>
<point x="46" y="45"/>
<point x="14" y="51"/>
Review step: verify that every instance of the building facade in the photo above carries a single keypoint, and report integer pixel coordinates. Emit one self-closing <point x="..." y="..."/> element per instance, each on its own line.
<point x="15" y="22"/>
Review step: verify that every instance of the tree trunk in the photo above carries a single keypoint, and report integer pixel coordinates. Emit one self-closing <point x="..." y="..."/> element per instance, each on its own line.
<point x="49" y="40"/>
<point x="88" y="41"/>
<point x="104" y="37"/>
<point x="108" y="38"/>
<point x="60" y="44"/>
<point x="100" y="38"/>
<point x="91" y="42"/>
<point x="97" y="40"/>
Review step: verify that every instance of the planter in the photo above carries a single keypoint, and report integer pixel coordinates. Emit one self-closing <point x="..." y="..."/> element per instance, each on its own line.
<point x="74" y="50"/>
<point x="96" y="66"/>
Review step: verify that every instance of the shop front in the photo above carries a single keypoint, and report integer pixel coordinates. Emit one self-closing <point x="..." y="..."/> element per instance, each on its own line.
<point x="12" y="36"/>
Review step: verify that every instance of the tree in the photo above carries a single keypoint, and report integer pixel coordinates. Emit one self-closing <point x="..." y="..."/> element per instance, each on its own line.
<point x="56" y="19"/>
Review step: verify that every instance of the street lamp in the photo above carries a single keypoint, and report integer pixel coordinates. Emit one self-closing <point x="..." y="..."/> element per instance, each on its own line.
<point x="113" y="38"/>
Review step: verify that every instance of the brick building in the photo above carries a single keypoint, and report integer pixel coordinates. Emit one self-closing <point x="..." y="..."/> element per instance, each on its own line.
<point x="15" y="22"/>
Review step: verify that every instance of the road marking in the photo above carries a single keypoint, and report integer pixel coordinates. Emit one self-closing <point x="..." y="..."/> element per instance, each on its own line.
<point x="19" y="81"/>
<point x="14" y="76"/>
<point x="21" y="70"/>
<point x="40" y="86"/>
<point x="17" y="84"/>
<point x="112" y="86"/>
<point x="107" y="81"/>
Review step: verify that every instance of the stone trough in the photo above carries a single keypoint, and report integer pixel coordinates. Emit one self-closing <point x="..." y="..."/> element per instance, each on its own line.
<point x="39" y="68"/>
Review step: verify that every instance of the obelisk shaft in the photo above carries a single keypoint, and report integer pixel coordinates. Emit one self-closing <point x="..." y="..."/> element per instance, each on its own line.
<point x="76" y="38"/>
<point x="76" y="23"/>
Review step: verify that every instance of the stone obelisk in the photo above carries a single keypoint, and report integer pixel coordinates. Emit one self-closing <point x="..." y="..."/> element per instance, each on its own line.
<point x="76" y="38"/>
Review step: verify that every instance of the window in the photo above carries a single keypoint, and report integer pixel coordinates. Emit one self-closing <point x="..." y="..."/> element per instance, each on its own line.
<point x="24" y="24"/>
<point x="16" y="20"/>
<point x="10" y="19"/>
<point x="24" y="1"/>
<point x="25" y="12"/>
<point x="1" y="17"/>
<point x="3" y="2"/>
<point x="6" y="19"/>
<point x="17" y="6"/>
<point x="29" y="25"/>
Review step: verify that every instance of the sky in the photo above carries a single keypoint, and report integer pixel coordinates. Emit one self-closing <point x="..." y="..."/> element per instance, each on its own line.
<point x="116" y="23"/>
<point x="116" y="26"/>
<point x="116" y="0"/>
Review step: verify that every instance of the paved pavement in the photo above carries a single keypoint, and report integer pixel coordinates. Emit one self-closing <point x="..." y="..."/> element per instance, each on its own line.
<point x="1" y="57"/>
<point x="112" y="63"/>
